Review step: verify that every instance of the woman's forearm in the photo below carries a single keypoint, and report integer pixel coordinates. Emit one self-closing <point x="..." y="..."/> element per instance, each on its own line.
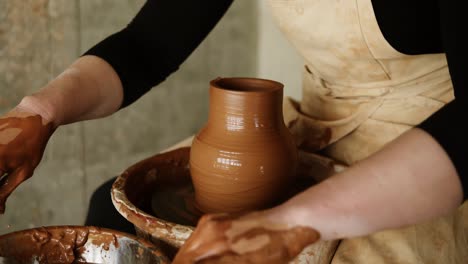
<point x="88" y="89"/>
<point x="410" y="180"/>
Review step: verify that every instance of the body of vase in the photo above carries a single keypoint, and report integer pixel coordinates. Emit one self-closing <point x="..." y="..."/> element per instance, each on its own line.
<point x="244" y="158"/>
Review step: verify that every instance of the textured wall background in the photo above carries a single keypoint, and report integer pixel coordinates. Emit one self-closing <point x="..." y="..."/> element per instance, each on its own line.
<point x="276" y="57"/>
<point x="39" y="38"/>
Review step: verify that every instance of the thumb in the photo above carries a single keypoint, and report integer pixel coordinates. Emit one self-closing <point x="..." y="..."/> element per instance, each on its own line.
<point x="11" y="181"/>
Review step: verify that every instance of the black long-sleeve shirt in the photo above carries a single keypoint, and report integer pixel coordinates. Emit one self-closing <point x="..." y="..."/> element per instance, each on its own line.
<point x="165" y="32"/>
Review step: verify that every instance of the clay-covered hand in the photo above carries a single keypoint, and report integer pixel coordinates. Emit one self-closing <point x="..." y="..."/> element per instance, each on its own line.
<point x="23" y="138"/>
<point x="252" y="238"/>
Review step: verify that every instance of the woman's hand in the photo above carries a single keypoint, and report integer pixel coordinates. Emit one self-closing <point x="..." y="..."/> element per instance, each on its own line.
<point x="252" y="238"/>
<point x="23" y="138"/>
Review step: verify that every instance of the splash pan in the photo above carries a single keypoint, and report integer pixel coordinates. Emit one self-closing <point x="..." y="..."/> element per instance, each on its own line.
<point x="77" y="244"/>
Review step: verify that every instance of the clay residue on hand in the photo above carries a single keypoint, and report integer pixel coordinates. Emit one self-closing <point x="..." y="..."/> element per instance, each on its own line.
<point x="51" y="245"/>
<point x="219" y="239"/>
<point x="23" y="138"/>
<point x="245" y="245"/>
<point x="9" y="135"/>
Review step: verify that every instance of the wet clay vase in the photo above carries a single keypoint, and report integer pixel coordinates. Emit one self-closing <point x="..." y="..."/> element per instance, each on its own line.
<point x="244" y="158"/>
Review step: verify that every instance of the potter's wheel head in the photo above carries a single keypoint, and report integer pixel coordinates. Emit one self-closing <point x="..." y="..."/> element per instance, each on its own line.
<point x="75" y="244"/>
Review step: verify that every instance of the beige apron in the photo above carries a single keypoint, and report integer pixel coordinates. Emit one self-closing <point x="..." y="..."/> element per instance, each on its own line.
<point x="359" y="93"/>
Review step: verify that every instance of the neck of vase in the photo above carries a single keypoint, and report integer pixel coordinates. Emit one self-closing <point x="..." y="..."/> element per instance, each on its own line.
<point x="237" y="104"/>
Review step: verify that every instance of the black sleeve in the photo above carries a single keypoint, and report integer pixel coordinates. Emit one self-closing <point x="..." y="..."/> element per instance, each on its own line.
<point x="448" y="125"/>
<point x="157" y="41"/>
<point x="435" y="26"/>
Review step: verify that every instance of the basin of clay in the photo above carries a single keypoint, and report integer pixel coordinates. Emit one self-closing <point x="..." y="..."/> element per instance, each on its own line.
<point x="157" y="196"/>
<point x="77" y="244"/>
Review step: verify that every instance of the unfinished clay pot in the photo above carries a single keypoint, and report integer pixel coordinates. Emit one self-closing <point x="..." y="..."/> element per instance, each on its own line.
<point x="244" y="158"/>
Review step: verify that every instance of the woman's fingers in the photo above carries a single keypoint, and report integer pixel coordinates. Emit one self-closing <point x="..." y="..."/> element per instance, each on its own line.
<point x="10" y="182"/>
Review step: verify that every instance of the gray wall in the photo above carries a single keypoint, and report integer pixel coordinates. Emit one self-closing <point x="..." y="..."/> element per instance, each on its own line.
<point x="276" y="57"/>
<point x="39" y="38"/>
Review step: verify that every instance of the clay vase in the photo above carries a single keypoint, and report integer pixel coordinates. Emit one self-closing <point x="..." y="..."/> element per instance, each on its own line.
<point x="244" y="158"/>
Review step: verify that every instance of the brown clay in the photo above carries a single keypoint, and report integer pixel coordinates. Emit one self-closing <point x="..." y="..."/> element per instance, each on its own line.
<point x="248" y="239"/>
<point x="244" y="158"/>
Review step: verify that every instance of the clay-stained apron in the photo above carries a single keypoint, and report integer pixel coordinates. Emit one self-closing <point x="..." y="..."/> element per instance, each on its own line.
<point x="358" y="94"/>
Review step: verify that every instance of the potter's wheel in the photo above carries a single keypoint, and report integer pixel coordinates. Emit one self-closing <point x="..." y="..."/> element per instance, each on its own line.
<point x="156" y="195"/>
